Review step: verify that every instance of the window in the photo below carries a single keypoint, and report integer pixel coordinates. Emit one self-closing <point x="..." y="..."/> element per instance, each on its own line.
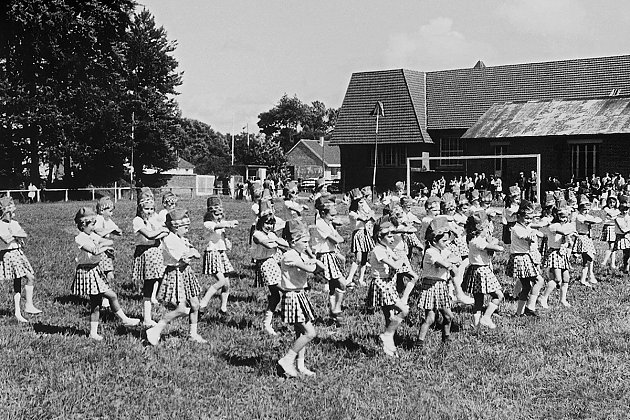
<point x="499" y="164"/>
<point x="390" y="155"/>
<point x="451" y="146"/>
<point x="584" y="160"/>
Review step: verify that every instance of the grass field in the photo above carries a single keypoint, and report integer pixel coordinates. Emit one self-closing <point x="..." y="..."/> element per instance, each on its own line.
<point x="568" y="363"/>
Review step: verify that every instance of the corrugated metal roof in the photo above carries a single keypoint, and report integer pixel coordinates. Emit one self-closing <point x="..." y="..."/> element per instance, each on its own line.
<point x="402" y="94"/>
<point x="569" y="117"/>
<point x="457" y="98"/>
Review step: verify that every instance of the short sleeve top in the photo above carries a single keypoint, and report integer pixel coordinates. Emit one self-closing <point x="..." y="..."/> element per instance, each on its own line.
<point x="522" y="237"/>
<point x="173" y="249"/>
<point x="430" y="268"/>
<point x="140" y="223"/>
<point x="7" y="232"/>
<point x="292" y="278"/>
<point x="215" y="236"/>
<point x="321" y="234"/>
<point x="376" y="257"/>
<point x="83" y="257"/>
<point x="260" y="252"/>
<point x="105" y="224"/>
<point x="477" y="251"/>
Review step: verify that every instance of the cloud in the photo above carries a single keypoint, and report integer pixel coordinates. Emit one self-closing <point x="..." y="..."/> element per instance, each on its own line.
<point x="544" y="17"/>
<point x="434" y="46"/>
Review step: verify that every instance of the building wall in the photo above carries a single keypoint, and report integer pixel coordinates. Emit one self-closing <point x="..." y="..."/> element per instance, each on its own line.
<point x="357" y="166"/>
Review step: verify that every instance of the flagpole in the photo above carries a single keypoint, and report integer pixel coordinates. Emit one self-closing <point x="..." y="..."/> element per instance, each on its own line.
<point x="375" y="160"/>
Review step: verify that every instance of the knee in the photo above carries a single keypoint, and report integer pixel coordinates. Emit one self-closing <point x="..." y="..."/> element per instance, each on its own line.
<point x="338" y="286"/>
<point x="448" y="317"/>
<point x="194" y="304"/>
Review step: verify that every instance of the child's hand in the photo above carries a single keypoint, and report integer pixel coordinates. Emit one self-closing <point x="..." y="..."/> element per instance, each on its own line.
<point x="234" y="223"/>
<point x="116" y="232"/>
<point x="228" y="244"/>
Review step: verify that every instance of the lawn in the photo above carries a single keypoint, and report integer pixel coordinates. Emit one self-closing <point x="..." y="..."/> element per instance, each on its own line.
<point x="567" y="363"/>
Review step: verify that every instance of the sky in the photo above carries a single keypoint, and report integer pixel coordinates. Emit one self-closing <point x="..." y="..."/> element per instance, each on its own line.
<point x="239" y="57"/>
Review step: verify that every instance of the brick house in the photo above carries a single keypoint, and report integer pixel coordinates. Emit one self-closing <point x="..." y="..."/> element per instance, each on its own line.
<point x="307" y="158"/>
<point x="429" y="112"/>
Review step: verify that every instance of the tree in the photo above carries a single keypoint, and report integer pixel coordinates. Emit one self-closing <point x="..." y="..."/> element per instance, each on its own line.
<point x="199" y="144"/>
<point x="290" y="120"/>
<point x="59" y="64"/>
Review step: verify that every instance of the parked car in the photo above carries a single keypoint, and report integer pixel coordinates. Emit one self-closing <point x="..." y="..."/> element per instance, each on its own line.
<point x="307" y="185"/>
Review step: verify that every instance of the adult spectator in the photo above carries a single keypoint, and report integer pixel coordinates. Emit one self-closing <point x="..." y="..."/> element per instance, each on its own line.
<point x="530" y="187"/>
<point x="521" y="183"/>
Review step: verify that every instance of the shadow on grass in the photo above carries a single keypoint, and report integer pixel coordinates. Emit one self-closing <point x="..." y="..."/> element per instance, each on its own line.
<point x="56" y="329"/>
<point x="348" y="344"/>
<point x="73" y="299"/>
<point x="263" y="365"/>
<point x="225" y="319"/>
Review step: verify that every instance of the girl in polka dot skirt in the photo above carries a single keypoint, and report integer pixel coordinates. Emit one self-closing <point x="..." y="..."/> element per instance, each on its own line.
<point x="14" y="265"/>
<point x="267" y="252"/>
<point x="180" y="286"/>
<point x="89" y="279"/>
<point x="215" y="260"/>
<point x="106" y="228"/>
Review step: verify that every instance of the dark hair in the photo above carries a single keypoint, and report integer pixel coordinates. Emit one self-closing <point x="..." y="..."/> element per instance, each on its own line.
<point x="431" y="238"/>
<point x="472" y="229"/>
<point x="265" y="219"/>
<point x="354" y="204"/>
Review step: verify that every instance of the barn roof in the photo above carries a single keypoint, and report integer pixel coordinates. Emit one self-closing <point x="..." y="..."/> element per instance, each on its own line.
<point x="554" y="117"/>
<point x="457" y="98"/>
<point x="415" y="102"/>
<point x="402" y="94"/>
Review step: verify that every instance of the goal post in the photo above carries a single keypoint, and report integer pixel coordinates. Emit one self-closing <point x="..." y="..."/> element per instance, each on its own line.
<point x="427" y="159"/>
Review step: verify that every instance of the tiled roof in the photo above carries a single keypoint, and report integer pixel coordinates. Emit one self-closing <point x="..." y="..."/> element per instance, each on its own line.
<point x="403" y="97"/>
<point x="184" y="164"/>
<point x="608" y="115"/>
<point x="457" y="98"/>
<point x="331" y="152"/>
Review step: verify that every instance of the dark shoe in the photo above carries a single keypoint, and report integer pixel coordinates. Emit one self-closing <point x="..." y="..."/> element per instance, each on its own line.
<point x="447" y="339"/>
<point x="529" y="312"/>
<point x="419" y="344"/>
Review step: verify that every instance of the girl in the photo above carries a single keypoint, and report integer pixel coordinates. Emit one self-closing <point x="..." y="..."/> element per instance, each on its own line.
<point x="291" y="203"/>
<point x="557" y="258"/>
<point x="512" y="201"/>
<point x="608" y="231"/>
<point x="438" y="266"/>
<point x="405" y="276"/>
<point x="215" y="259"/>
<point x="325" y="241"/>
<point x="583" y="244"/>
<point x="521" y="265"/>
<point x="148" y="265"/>
<point x="106" y="228"/>
<point x="13" y="263"/>
<point x="89" y="279"/>
<point x="410" y="220"/>
<point x="361" y="223"/>
<point x="266" y="251"/>
<point x="382" y="293"/>
<point x="622" y="228"/>
<point x="296" y="307"/>
<point x="169" y="202"/>
<point x="479" y="278"/>
<point x="179" y="286"/>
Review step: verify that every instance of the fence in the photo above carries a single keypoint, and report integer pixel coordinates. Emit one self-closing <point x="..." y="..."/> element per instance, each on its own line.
<point x="117" y="193"/>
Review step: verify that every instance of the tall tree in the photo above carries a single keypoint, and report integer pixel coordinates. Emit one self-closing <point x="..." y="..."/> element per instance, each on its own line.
<point x="199" y="144"/>
<point x="58" y="58"/>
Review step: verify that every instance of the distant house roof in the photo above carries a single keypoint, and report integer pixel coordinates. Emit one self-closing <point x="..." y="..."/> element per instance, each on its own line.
<point x="457" y="98"/>
<point x="403" y="97"/>
<point x="184" y="164"/>
<point x="415" y="101"/>
<point x="568" y="117"/>
<point x="332" y="156"/>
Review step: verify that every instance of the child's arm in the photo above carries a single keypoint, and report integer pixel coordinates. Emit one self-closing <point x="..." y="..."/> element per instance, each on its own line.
<point x="221" y="225"/>
<point x="260" y="238"/>
<point x="153" y="234"/>
<point x="19" y="232"/>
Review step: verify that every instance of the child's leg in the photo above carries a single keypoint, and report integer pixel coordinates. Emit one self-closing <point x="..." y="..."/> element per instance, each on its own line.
<point x="193" y="318"/>
<point x="362" y="270"/>
<point x="339" y="290"/>
<point x="153" y="333"/>
<point x="272" y="304"/>
<point x="564" y="288"/>
<point x="113" y="300"/>
<point x="353" y="267"/>
<point x="551" y="286"/>
<point x="477" y="309"/>
<point x="486" y="319"/>
<point x="225" y="294"/>
<point x="110" y="278"/>
<point x="591" y="272"/>
<point x="613" y="255"/>
<point x="147" y="301"/>
<point x="212" y="290"/>
<point x="626" y="258"/>
<point x="517" y="287"/>
<point x="429" y="318"/>
<point x="539" y="282"/>
<point x="584" y="273"/>
<point x="526" y="284"/>
<point x="154" y="292"/>
<point x="95" y="304"/>
<point x="29" y="308"/>
<point x="457" y="285"/>
<point x="608" y="254"/>
<point x="447" y="319"/>
<point x="306" y="333"/>
<point x="17" y="288"/>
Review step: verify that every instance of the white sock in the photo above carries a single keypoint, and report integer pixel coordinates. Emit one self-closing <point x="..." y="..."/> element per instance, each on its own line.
<point x="120" y="314"/>
<point x="290" y="356"/>
<point x="93" y="328"/>
<point x="193" y="329"/>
